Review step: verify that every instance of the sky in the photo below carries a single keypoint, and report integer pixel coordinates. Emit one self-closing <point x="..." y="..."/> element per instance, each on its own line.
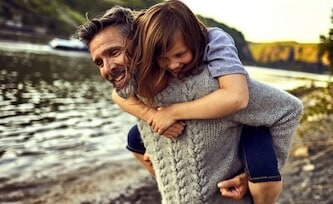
<point x="302" y="21"/>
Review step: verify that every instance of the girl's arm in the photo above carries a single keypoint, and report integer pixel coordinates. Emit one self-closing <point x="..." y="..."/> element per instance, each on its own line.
<point x="231" y="97"/>
<point x="221" y="57"/>
<point x="135" y="107"/>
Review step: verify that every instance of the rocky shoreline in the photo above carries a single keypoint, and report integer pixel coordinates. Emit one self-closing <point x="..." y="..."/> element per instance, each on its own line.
<point x="117" y="182"/>
<point x="307" y="175"/>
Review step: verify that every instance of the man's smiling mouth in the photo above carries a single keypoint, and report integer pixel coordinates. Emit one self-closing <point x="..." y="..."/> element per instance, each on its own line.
<point x="117" y="76"/>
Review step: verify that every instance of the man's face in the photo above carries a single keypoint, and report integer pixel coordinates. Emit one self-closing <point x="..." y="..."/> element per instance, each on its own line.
<point x="107" y="52"/>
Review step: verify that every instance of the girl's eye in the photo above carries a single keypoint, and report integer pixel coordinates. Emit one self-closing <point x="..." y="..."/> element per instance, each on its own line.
<point x="179" y="55"/>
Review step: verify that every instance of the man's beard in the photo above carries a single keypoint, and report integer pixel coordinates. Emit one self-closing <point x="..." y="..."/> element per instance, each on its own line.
<point x="123" y="82"/>
<point x="118" y="77"/>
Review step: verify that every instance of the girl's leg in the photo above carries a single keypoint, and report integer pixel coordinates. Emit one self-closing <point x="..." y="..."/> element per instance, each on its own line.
<point x="145" y="161"/>
<point x="265" y="192"/>
<point x="135" y="145"/>
<point x="261" y="164"/>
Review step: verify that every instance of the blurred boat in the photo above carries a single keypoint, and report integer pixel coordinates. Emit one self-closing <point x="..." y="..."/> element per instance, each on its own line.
<point x="68" y="44"/>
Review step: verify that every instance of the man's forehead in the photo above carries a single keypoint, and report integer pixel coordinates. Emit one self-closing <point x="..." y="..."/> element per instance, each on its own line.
<point x="110" y="34"/>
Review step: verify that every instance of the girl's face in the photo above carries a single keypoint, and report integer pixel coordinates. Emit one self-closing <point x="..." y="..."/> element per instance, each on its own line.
<point x="175" y="59"/>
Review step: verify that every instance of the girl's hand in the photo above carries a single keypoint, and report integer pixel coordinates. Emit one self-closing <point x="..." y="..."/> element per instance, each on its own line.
<point x="174" y="130"/>
<point x="161" y="120"/>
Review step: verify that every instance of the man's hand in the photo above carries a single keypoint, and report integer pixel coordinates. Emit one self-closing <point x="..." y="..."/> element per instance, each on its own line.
<point x="234" y="188"/>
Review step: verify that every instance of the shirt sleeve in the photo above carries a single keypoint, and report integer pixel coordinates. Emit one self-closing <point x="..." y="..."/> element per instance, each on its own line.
<point x="221" y="54"/>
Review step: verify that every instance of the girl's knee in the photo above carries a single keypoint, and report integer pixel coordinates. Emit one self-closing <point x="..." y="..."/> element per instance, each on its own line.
<point x="271" y="187"/>
<point x="265" y="192"/>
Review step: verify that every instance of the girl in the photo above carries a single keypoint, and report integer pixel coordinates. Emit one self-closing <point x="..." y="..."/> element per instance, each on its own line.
<point x="167" y="65"/>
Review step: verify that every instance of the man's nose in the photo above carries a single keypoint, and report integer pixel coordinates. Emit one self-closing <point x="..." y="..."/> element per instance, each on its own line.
<point x="109" y="65"/>
<point x="106" y="69"/>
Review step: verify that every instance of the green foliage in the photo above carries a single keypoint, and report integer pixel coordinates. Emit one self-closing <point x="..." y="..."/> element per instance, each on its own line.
<point x="137" y="5"/>
<point x="319" y="104"/>
<point x="326" y="45"/>
<point x="240" y="42"/>
<point x="53" y="16"/>
<point x="61" y="17"/>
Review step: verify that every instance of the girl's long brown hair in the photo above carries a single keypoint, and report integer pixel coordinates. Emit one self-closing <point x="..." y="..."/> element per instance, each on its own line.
<point x="154" y="32"/>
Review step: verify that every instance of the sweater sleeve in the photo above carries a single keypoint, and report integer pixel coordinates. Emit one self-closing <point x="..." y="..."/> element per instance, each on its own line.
<point x="276" y="109"/>
<point x="221" y="54"/>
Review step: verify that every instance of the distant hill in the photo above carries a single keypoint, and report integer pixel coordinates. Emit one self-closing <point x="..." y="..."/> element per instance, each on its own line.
<point x="243" y="50"/>
<point x="39" y="21"/>
<point x="289" y="55"/>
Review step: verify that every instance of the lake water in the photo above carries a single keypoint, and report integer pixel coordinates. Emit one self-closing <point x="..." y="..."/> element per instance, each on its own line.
<point x="56" y="115"/>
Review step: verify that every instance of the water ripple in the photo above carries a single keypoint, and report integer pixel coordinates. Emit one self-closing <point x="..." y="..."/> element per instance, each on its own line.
<point x="56" y="117"/>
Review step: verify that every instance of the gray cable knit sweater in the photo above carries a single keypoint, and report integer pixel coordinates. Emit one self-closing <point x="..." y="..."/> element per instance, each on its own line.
<point x="189" y="167"/>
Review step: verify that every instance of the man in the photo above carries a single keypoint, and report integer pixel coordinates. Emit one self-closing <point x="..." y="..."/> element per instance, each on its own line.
<point x="106" y="38"/>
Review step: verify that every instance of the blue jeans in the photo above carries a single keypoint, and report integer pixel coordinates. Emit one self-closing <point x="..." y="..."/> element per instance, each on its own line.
<point x="134" y="141"/>
<point x="258" y="155"/>
<point x="256" y="151"/>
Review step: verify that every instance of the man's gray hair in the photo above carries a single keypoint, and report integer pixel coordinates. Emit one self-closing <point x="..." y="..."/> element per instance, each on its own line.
<point x="116" y="16"/>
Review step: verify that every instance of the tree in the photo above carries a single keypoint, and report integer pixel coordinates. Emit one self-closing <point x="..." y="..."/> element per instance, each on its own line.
<point x="321" y="105"/>
<point x="326" y="46"/>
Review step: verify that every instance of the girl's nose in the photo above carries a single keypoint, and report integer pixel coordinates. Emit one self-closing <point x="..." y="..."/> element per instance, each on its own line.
<point x="173" y="65"/>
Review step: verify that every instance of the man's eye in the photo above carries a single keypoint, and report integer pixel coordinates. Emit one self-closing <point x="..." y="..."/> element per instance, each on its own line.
<point x="114" y="53"/>
<point x="99" y="63"/>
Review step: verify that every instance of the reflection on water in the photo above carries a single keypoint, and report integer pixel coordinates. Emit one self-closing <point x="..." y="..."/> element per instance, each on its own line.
<point x="288" y="80"/>
<point x="56" y="116"/>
